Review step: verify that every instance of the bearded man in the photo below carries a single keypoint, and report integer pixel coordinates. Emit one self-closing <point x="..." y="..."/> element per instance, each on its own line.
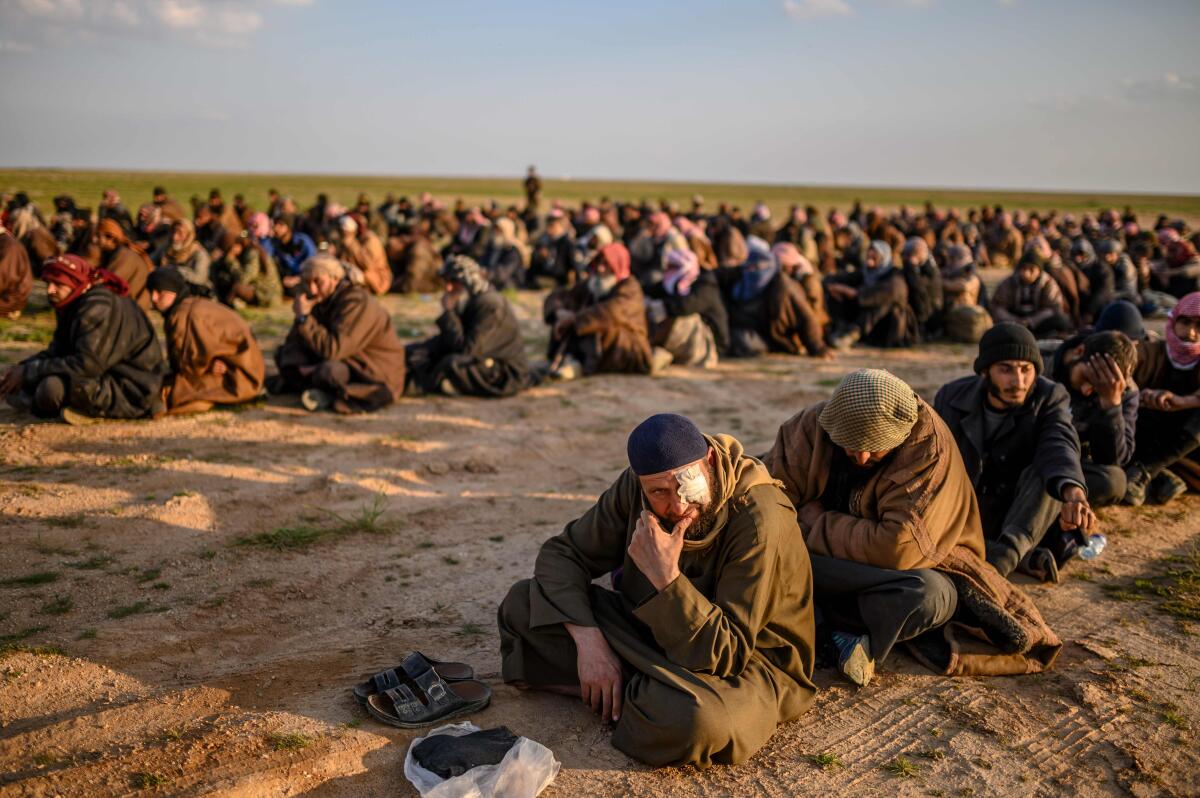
<point x="124" y="258"/>
<point x="1014" y="432"/>
<point x="342" y="351"/>
<point x="478" y="350"/>
<point x="894" y="534"/>
<point x="103" y="362"/>
<point x="705" y="643"/>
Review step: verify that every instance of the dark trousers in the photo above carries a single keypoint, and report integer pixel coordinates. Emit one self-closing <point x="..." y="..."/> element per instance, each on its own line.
<point x="1014" y="523"/>
<point x="1105" y="483"/>
<point x="890" y="606"/>
<point x="1164" y="439"/>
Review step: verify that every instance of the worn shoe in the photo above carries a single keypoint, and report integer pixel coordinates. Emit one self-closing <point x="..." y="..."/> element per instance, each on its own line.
<point x="1165" y="487"/>
<point x="1136" y="482"/>
<point x="843" y="341"/>
<point x="569" y="369"/>
<point x="447" y="387"/>
<point x="854" y="658"/>
<point x="660" y="359"/>
<point x="315" y="399"/>
<point x="77" y="419"/>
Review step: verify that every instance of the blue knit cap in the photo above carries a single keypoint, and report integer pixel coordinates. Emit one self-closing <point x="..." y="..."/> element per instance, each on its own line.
<point x="663" y="442"/>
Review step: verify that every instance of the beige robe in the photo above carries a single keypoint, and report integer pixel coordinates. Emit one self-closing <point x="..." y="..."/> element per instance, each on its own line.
<point x="199" y="333"/>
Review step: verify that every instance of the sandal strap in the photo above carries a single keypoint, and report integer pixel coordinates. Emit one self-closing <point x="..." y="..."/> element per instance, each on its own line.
<point x="386" y="680"/>
<point x="407" y="706"/>
<point x="414" y="664"/>
<point x="436" y="690"/>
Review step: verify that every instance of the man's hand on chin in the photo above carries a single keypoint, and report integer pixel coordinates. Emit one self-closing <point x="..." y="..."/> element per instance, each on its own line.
<point x="655" y="551"/>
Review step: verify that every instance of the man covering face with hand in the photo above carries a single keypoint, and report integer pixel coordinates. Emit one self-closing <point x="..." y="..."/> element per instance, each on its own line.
<point x="705" y="642"/>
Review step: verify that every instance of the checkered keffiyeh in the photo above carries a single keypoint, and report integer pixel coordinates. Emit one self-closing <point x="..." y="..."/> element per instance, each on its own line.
<point x="870" y="411"/>
<point x="467" y="273"/>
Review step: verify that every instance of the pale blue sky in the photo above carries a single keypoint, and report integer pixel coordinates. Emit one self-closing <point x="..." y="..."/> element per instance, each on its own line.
<point x="1053" y="94"/>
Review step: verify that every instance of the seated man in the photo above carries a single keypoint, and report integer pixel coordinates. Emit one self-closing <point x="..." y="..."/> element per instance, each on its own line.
<point x="1104" y="409"/>
<point x="103" y="362"/>
<point x="689" y="325"/>
<point x="291" y="250"/>
<point x="213" y="355"/>
<point x="16" y="278"/>
<point x="893" y="528"/>
<point x="478" y="350"/>
<point x="871" y="305"/>
<point x="1030" y="297"/>
<point x="125" y="259"/>
<point x="965" y="319"/>
<point x="769" y="311"/>
<point x="1168" y="432"/>
<point x="706" y="642"/>
<point x="924" y="280"/>
<point x="600" y="324"/>
<point x="1013" y="428"/>
<point x="246" y="273"/>
<point x="361" y="247"/>
<point x="342" y="350"/>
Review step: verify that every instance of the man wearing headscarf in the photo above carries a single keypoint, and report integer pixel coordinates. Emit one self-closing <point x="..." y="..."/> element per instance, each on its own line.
<point x="507" y="257"/>
<point x="1014" y="432"/>
<point x="246" y="274"/>
<point x="965" y="317"/>
<point x="705" y="643"/>
<point x="125" y="259"/>
<point x="153" y="232"/>
<point x="186" y="255"/>
<point x="688" y="317"/>
<point x="103" y="362"/>
<point x="1168" y="429"/>
<point x="478" y="350"/>
<point x="361" y="247"/>
<point x="871" y="305"/>
<point x="26" y="225"/>
<point x="893" y="529"/>
<point x="342" y="351"/>
<point x="213" y="355"/>
<point x="16" y="278"/>
<point x="769" y="311"/>
<point x="600" y="324"/>
<point x="649" y="249"/>
<point x="924" y="281"/>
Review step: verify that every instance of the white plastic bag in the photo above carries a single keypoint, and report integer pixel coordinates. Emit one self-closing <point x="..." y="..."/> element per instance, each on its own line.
<point x="526" y="770"/>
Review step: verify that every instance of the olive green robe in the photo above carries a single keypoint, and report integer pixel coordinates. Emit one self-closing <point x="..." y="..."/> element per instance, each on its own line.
<point x="718" y="658"/>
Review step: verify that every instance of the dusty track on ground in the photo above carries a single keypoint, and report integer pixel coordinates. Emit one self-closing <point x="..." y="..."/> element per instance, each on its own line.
<point x="187" y="655"/>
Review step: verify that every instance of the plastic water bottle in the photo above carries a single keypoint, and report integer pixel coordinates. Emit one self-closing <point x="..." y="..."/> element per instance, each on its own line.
<point x="1096" y="544"/>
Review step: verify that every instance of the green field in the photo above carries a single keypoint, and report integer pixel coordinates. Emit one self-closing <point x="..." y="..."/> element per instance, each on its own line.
<point x="135" y="187"/>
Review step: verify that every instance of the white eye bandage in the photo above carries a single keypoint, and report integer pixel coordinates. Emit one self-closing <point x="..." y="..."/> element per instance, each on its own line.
<point x="693" y="485"/>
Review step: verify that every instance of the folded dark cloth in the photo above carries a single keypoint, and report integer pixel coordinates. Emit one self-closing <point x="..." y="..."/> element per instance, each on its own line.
<point x="448" y="756"/>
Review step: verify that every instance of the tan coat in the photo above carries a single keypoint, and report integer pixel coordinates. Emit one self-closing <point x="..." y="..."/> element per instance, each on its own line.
<point x="368" y="255"/>
<point x="16" y="278"/>
<point x="618" y="323"/>
<point x="199" y="333"/>
<point x="919" y="511"/>
<point x="132" y="267"/>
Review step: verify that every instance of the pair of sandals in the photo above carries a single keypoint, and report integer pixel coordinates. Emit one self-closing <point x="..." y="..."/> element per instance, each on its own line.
<point x="421" y="691"/>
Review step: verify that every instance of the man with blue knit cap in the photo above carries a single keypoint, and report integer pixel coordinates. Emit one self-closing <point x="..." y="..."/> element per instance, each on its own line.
<point x="705" y="643"/>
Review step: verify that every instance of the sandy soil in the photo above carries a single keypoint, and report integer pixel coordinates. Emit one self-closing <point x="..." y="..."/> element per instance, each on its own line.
<point x="197" y="664"/>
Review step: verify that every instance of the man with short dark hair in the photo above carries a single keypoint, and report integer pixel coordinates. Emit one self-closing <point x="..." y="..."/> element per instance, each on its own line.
<point x="705" y="643"/>
<point x="1013" y="428"/>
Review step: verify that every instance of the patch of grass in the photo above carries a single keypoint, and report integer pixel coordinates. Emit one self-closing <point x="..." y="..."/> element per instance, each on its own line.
<point x="24" y="634"/>
<point x="11" y="674"/>
<point x="31" y="580"/>
<point x="932" y="753"/>
<point x="450" y="560"/>
<point x="87" y="634"/>
<point x="51" y="550"/>
<point x="496" y="538"/>
<point x="212" y="603"/>
<point x="828" y="383"/>
<point x="149" y="574"/>
<point x="93" y="563"/>
<point x="44" y="760"/>
<point x="826" y="761"/>
<point x="902" y="768"/>
<point x="161" y="586"/>
<point x="935" y="732"/>
<point x="182" y="494"/>
<point x="469" y="630"/>
<point x="1172" y="718"/>
<point x="1140" y="695"/>
<point x="366" y="518"/>
<point x="145" y="780"/>
<point x="173" y="734"/>
<point x="1082" y="576"/>
<point x="284" y="538"/>
<point x="260" y="583"/>
<point x="981" y="762"/>
<point x="37" y="651"/>
<point x="206" y="554"/>
<point x="59" y="605"/>
<point x="288" y="742"/>
<point x="129" y="609"/>
<point x="425" y="544"/>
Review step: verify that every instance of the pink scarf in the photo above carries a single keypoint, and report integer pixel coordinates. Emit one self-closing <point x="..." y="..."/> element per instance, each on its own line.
<point x="683" y="267"/>
<point x="1183" y="355"/>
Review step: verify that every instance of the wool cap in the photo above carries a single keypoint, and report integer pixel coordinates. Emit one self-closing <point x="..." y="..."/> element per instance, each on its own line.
<point x="663" y="442"/>
<point x="166" y="279"/>
<point x="1121" y="315"/>
<point x="871" y="410"/>
<point x="1007" y="341"/>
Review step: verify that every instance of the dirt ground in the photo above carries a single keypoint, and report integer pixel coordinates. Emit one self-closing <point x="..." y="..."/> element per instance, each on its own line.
<point x="216" y="584"/>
